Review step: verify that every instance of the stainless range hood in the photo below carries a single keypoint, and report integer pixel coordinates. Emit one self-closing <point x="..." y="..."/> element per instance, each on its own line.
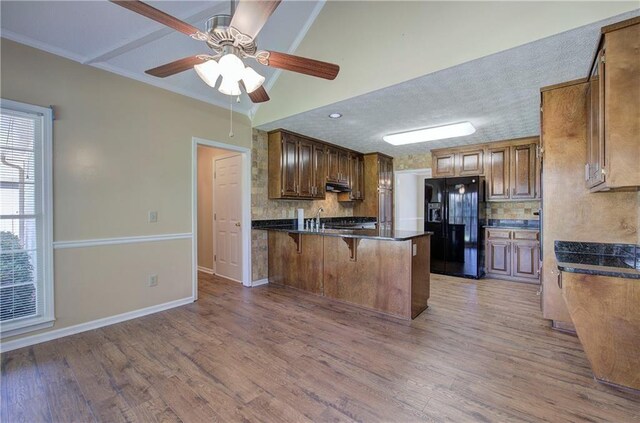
<point x="336" y="187"/>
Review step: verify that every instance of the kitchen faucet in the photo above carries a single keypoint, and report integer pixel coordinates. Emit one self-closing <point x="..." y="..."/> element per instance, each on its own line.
<point x="320" y="210"/>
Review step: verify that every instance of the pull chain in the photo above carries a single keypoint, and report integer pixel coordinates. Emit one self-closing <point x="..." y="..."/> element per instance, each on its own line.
<point x="230" y="117"/>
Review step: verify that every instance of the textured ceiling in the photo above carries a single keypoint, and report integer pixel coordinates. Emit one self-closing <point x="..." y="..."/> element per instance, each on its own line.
<point x="110" y="37"/>
<point x="499" y="94"/>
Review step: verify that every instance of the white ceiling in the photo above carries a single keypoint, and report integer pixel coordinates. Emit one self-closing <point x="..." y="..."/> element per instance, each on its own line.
<point x="499" y="94"/>
<point x="110" y="37"/>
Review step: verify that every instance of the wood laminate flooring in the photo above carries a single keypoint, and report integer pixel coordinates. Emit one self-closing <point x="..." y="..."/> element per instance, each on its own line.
<point x="481" y="352"/>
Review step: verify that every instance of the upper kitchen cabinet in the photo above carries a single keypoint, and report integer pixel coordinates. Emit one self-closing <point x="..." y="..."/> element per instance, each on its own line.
<point x="337" y="165"/>
<point x="498" y="181"/>
<point x="513" y="170"/>
<point x="613" y="147"/>
<point x="378" y="189"/>
<point x="296" y="166"/>
<point x="460" y="161"/>
<point x="511" y="167"/>
<point x="443" y="164"/>
<point x="356" y="179"/>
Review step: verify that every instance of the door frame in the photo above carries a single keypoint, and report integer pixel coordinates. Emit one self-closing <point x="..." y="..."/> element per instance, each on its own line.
<point x="246" y="208"/>
<point x="427" y="172"/>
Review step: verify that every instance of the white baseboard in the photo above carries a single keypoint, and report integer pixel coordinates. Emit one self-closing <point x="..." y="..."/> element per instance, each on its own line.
<point x="205" y="270"/>
<point x="260" y="282"/>
<point x="94" y="324"/>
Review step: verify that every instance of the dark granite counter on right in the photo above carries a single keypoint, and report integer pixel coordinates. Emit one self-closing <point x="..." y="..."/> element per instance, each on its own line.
<point x="592" y="258"/>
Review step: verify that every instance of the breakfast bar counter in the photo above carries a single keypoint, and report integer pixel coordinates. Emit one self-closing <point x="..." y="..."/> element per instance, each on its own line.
<point x="380" y="269"/>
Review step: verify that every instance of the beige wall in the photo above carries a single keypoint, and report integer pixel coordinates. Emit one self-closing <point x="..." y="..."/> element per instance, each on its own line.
<point x="206" y="238"/>
<point x="264" y="208"/>
<point x="121" y="148"/>
<point x="416" y="38"/>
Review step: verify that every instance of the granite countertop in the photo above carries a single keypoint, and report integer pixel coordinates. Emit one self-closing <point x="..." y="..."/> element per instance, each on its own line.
<point x="592" y="258"/>
<point x="384" y="234"/>
<point x="523" y="225"/>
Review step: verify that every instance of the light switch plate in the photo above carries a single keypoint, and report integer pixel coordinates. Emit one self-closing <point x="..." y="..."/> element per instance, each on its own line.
<point x="153" y="216"/>
<point x="415" y="249"/>
<point x="153" y="280"/>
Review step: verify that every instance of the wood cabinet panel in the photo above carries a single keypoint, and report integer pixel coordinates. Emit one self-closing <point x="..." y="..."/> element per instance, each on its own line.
<point x="289" y="162"/>
<point x="377" y="188"/>
<point x="305" y="169"/>
<point x="512" y="254"/>
<point x="343" y="167"/>
<point x="498" y="181"/>
<point x="619" y="106"/>
<point x="375" y="279"/>
<point x="319" y="170"/>
<point x="295" y="260"/>
<point x="471" y="163"/>
<point x="444" y="165"/>
<point x="526" y="259"/>
<point x="333" y="166"/>
<point x="523" y="172"/>
<point x="498" y="258"/>
<point x="607" y="317"/>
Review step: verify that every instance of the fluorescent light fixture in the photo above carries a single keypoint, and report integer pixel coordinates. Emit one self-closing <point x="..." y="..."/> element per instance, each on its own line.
<point x="431" y="134"/>
<point x="335" y="115"/>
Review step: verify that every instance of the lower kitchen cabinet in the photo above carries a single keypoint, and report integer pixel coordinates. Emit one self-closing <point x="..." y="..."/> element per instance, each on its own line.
<point x="512" y="254"/>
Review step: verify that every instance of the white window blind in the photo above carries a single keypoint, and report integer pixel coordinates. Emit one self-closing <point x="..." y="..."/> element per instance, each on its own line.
<point x="26" y="286"/>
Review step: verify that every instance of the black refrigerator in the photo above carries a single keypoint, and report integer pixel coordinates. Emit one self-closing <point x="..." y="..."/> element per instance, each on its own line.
<point x="454" y="212"/>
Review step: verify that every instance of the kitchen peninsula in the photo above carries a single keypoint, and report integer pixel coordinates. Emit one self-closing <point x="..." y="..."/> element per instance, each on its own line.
<point x="381" y="269"/>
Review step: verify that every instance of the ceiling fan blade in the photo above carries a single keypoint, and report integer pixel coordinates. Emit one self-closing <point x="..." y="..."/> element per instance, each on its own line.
<point x="157" y="15"/>
<point x="259" y="95"/>
<point x="302" y="65"/>
<point x="250" y="15"/>
<point x="174" y="67"/>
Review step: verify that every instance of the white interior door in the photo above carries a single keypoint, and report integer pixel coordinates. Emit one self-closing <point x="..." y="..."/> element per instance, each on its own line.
<point x="227" y="206"/>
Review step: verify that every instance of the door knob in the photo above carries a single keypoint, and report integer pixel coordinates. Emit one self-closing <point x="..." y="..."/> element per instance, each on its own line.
<point x="238" y="224"/>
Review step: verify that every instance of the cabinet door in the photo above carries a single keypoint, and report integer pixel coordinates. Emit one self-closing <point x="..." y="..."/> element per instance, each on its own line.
<point x="594" y="173"/>
<point x="385" y="172"/>
<point x="360" y="178"/>
<point x="332" y="165"/>
<point x="498" y="257"/>
<point x="498" y="183"/>
<point x="523" y="172"/>
<point x="471" y="163"/>
<point x="305" y="168"/>
<point x="526" y="258"/>
<point x="444" y="165"/>
<point x="343" y="167"/>
<point x="289" y="163"/>
<point x="319" y="171"/>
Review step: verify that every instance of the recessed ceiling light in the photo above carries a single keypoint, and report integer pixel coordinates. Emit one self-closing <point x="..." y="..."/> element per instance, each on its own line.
<point x="335" y="115"/>
<point x="431" y="134"/>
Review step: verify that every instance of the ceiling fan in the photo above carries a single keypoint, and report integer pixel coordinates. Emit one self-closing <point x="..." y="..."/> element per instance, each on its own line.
<point x="231" y="39"/>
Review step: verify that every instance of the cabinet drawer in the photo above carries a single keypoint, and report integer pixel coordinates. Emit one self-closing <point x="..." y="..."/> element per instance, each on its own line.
<point x="498" y="234"/>
<point x="526" y="235"/>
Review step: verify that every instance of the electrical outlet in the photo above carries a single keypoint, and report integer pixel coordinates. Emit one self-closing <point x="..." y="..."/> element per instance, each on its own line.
<point x="153" y="216"/>
<point x="153" y="280"/>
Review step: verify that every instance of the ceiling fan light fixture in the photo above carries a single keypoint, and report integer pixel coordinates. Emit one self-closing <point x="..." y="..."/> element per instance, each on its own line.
<point x="231" y="67"/>
<point x="229" y="86"/>
<point x="431" y="134"/>
<point x="252" y="80"/>
<point x="209" y="72"/>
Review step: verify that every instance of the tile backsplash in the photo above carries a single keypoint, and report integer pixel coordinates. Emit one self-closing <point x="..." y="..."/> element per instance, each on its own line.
<point x="522" y="210"/>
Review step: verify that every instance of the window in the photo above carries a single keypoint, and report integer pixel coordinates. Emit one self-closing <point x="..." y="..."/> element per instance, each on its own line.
<point x="26" y="257"/>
